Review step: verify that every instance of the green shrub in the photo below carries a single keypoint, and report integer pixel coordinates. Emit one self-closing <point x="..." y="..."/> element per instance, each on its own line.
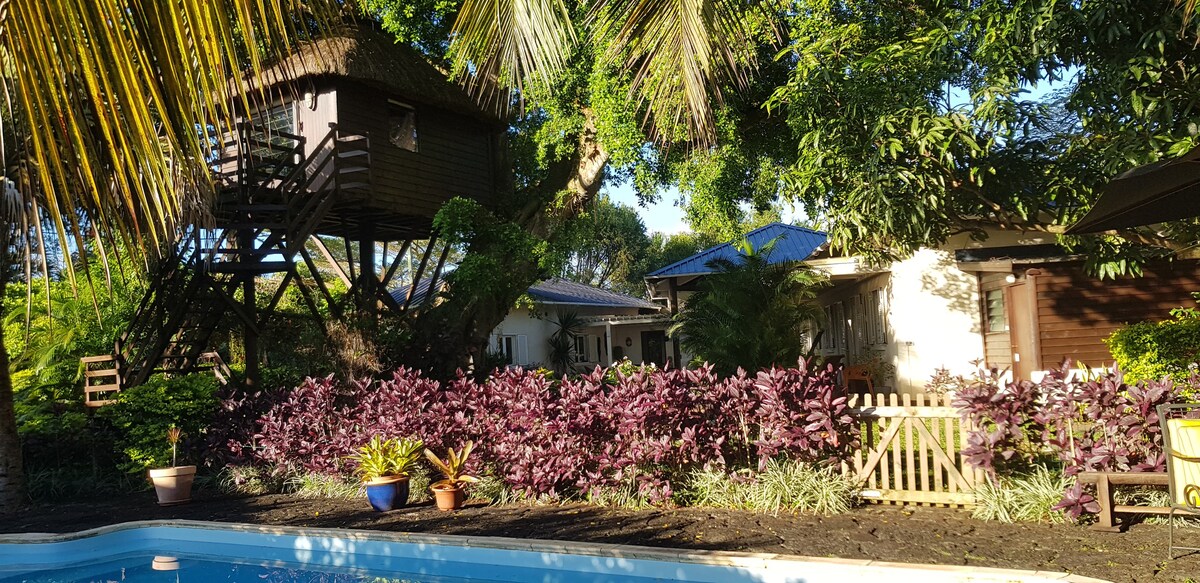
<point x="783" y="486"/>
<point x="495" y="491"/>
<point x="1155" y="350"/>
<point x="1027" y="497"/>
<point x="314" y="485"/>
<point x="142" y="415"/>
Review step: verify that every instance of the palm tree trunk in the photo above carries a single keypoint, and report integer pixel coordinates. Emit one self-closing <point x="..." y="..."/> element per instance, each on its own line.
<point x="12" y="476"/>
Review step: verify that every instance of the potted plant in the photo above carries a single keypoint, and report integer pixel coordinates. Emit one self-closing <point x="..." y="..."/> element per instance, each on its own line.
<point x="449" y="492"/>
<point x="405" y="455"/>
<point x="174" y="484"/>
<point x="375" y="468"/>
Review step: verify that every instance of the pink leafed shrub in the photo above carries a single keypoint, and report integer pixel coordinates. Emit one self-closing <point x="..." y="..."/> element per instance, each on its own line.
<point x="1099" y="424"/>
<point x="556" y="437"/>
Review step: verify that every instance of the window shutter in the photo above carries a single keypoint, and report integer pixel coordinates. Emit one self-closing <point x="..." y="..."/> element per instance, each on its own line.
<point x="522" y="350"/>
<point x="493" y="344"/>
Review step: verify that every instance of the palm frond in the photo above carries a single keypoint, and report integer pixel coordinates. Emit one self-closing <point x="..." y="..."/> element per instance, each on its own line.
<point x="114" y="100"/>
<point x="681" y="51"/>
<point x="497" y="44"/>
<point x="1188" y="7"/>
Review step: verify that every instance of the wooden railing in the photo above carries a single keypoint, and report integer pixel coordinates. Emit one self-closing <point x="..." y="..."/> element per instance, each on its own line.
<point x="912" y="451"/>
<point x="101" y="380"/>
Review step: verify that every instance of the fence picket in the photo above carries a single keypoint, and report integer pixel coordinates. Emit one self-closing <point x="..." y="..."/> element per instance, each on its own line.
<point x="912" y="450"/>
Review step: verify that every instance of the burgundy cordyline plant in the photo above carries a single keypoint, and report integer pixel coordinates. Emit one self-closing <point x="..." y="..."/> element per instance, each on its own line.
<point x="558" y="438"/>
<point x="1096" y="424"/>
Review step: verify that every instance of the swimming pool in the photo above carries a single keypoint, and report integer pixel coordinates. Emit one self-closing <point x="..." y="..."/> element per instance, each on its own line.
<point x="188" y="551"/>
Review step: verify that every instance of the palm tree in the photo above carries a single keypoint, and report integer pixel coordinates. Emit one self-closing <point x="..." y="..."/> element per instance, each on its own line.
<point x="568" y="327"/>
<point x="751" y="313"/>
<point x="680" y="52"/>
<point x="109" y="102"/>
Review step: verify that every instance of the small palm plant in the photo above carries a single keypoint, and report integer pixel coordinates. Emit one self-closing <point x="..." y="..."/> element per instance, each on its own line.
<point x="173" y="435"/>
<point x="405" y="455"/>
<point x="448" y="491"/>
<point x="375" y="459"/>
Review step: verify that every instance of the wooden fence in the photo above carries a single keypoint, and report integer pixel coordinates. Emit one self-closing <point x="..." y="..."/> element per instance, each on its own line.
<point x="912" y="451"/>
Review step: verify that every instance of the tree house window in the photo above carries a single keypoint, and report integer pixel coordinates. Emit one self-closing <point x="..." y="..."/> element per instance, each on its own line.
<point x="402" y="126"/>
<point x="280" y="119"/>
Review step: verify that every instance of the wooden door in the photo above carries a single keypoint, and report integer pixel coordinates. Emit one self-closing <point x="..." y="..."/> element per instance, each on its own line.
<point x="654" y="347"/>
<point x="1020" y="305"/>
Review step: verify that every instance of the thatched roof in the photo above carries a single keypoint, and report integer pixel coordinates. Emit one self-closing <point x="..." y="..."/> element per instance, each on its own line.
<point x="373" y="58"/>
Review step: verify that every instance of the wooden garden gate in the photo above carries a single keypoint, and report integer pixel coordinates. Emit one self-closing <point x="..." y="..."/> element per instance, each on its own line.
<point x="912" y="451"/>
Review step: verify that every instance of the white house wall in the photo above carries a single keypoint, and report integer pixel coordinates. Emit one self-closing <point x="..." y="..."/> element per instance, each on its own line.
<point x="522" y="322"/>
<point x="932" y="319"/>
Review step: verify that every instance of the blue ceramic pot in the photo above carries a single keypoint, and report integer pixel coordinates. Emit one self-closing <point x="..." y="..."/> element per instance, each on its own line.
<point x="388" y="493"/>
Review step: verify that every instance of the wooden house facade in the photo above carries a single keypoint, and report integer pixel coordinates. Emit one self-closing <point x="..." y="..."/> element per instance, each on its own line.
<point x="1041" y="311"/>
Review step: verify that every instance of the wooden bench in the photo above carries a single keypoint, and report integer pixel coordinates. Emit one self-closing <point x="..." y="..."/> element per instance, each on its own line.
<point x="1105" y="481"/>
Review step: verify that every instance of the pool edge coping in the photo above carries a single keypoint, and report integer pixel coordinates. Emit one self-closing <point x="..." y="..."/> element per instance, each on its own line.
<point x="719" y="558"/>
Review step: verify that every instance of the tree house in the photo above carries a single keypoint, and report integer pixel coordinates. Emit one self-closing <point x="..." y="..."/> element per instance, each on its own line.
<point x="354" y="137"/>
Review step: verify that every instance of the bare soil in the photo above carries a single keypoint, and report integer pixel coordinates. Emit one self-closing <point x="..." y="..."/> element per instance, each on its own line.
<point x="912" y="535"/>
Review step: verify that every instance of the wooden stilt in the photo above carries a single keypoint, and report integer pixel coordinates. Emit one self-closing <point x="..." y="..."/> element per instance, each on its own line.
<point x="437" y="272"/>
<point x="416" y="277"/>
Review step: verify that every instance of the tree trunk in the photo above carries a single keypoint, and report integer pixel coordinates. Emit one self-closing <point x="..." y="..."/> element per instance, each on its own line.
<point x="12" y="476"/>
<point x="457" y="331"/>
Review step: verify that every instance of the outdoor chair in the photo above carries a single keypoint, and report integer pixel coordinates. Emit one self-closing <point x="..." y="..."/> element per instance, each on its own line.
<point x="1181" y="447"/>
<point x="858" y="373"/>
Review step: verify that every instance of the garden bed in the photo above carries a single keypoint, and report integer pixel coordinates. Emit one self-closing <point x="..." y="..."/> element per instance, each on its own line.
<point x="914" y="535"/>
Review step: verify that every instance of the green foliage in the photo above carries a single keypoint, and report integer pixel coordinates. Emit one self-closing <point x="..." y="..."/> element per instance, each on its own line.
<point x="568" y="327"/>
<point x="878" y="366"/>
<point x="387" y="457"/>
<point x="910" y="122"/>
<point x="1028" y="497"/>
<point x="667" y="249"/>
<point x="312" y="485"/>
<point x="1158" y="350"/>
<point x="625" y="368"/>
<point x="750" y="313"/>
<point x="51" y="484"/>
<point x="785" y="486"/>
<point x="374" y="458"/>
<point x="496" y="491"/>
<point x="453" y="467"/>
<point x="605" y="247"/>
<point x="143" y="414"/>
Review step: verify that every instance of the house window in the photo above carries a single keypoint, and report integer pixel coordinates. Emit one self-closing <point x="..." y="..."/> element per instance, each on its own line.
<point x="272" y="122"/>
<point x="837" y="328"/>
<point x="508" y="348"/>
<point x="581" y="354"/>
<point x="994" y="312"/>
<point x="402" y="126"/>
<point x="877" y="311"/>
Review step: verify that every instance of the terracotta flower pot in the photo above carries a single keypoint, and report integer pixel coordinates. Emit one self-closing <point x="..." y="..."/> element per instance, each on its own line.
<point x="449" y="498"/>
<point x="387" y="493"/>
<point x="173" y="485"/>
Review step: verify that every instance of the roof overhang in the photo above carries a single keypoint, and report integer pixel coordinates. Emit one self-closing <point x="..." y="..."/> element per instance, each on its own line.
<point x="592" y="305"/>
<point x="850" y="267"/>
<point x="626" y="320"/>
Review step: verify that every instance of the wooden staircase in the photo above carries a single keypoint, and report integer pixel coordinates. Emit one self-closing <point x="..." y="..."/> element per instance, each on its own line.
<point x="272" y="199"/>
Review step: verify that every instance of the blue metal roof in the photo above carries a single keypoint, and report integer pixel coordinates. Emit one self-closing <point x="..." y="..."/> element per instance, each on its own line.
<point x="795" y="244"/>
<point x="561" y="291"/>
<point x="552" y="291"/>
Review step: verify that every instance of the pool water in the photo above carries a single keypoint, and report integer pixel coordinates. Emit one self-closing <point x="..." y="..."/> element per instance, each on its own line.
<point x="200" y="552"/>
<point x="244" y="554"/>
<point x="158" y="569"/>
